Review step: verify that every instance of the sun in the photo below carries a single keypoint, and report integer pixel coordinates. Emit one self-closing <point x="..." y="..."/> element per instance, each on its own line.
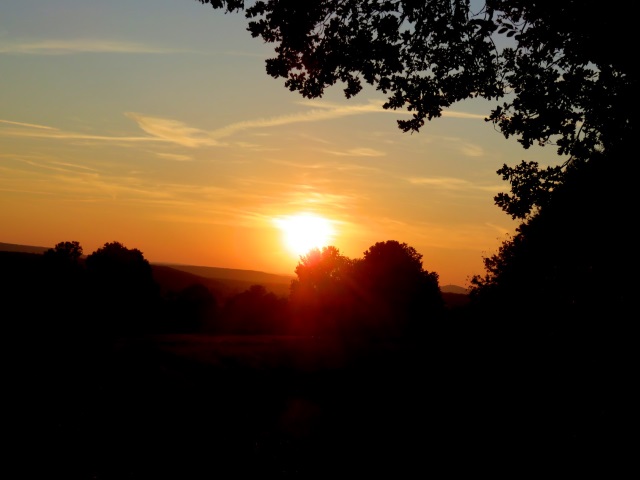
<point x="305" y="231"/>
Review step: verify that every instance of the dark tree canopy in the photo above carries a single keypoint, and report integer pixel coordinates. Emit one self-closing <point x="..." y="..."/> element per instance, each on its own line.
<point x="65" y="252"/>
<point x="323" y="293"/>
<point x="385" y="293"/>
<point x="321" y="270"/>
<point x="114" y="259"/>
<point x="560" y="73"/>
<point x="254" y="311"/>
<point x="400" y="291"/>
<point x="123" y="290"/>
<point x="191" y="309"/>
<point x="574" y="258"/>
<point x="561" y="68"/>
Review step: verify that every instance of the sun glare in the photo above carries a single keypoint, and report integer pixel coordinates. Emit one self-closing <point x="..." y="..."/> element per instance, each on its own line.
<point x="305" y="231"/>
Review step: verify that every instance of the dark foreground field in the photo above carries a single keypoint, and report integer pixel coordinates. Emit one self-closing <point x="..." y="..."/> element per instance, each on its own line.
<point x="196" y="407"/>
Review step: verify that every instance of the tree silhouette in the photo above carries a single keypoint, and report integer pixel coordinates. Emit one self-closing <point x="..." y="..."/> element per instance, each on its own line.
<point x="65" y="252"/>
<point x="569" y="261"/>
<point x="561" y="71"/>
<point x="64" y="288"/>
<point x="402" y="296"/>
<point x="255" y="311"/>
<point x="193" y="309"/>
<point x="323" y="294"/>
<point x="123" y="291"/>
<point x="386" y="294"/>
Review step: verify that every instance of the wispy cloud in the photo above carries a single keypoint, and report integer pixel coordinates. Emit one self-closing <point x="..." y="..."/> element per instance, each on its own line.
<point x="471" y="116"/>
<point x="27" y="125"/>
<point x="371" y="106"/>
<point x="236" y="53"/>
<point x="471" y="150"/>
<point x="308" y="197"/>
<point x="174" y="156"/>
<point x="450" y="183"/>
<point x="462" y="145"/>
<point x="319" y="112"/>
<point x="314" y="138"/>
<point x="182" y="134"/>
<point x="69" y="167"/>
<point x="375" y="106"/>
<point x="172" y="131"/>
<point x="442" y="182"/>
<point x="21" y="129"/>
<point x="238" y="202"/>
<point x="339" y="166"/>
<point x="357" y="152"/>
<point x="502" y="231"/>
<point x="62" y="181"/>
<point x="464" y="236"/>
<point x="75" y="46"/>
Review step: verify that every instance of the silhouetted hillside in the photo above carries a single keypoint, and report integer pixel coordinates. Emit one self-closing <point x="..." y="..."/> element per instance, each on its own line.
<point x="252" y="276"/>
<point x="171" y="279"/>
<point x="12" y="247"/>
<point x="176" y="278"/>
<point x="453" y="289"/>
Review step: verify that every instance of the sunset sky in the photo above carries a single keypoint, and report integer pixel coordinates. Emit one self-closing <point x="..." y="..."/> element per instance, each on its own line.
<point x="153" y="123"/>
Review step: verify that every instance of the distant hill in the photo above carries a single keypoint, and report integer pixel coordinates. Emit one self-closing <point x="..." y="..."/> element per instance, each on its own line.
<point x="453" y="289"/>
<point x="12" y="247"/>
<point x="223" y="282"/>
<point x="253" y="276"/>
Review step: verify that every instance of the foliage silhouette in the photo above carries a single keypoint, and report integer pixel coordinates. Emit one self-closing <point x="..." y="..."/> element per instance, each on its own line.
<point x="561" y="70"/>
<point x="386" y="294"/>
<point x="65" y="293"/>
<point x="499" y="402"/>
<point x="403" y="296"/>
<point x="194" y="309"/>
<point x="254" y="311"/>
<point x="65" y="252"/>
<point x="568" y="261"/>
<point x="323" y="295"/>
<point x="548" y="323"/>
<point x="123" y="292"/>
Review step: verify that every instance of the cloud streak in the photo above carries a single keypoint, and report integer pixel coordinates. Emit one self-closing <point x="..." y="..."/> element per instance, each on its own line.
<point x="41" y="131"/>
<point x="180" y="133"/>
<point x="27" y="125"/>
<point x="76" y="46"/>
<point x="173" y="131"/>
<point x="357" y="152"/>
<point x="338" y="166"/>
<point x="450" y="183"/>
<point x="174" y="156"/>
<point x="375" y="106"/>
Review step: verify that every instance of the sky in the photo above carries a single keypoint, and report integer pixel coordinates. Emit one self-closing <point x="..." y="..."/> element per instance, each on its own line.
<point x="154" y="124"/>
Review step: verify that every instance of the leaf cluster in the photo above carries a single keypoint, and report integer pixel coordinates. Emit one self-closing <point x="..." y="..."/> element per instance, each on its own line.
<point x="387" y="291"/>
<point x="561" y="68"/>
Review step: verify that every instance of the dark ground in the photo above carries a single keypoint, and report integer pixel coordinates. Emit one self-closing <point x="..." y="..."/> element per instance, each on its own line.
<point x="196" y="407"/>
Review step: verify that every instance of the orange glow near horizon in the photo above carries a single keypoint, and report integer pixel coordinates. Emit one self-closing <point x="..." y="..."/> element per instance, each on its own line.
<point x="304" y="231"/>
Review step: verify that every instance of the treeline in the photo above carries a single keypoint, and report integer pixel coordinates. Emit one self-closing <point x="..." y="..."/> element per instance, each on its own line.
<point x="112" y="292"/>
<point x="528" y="373"/>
